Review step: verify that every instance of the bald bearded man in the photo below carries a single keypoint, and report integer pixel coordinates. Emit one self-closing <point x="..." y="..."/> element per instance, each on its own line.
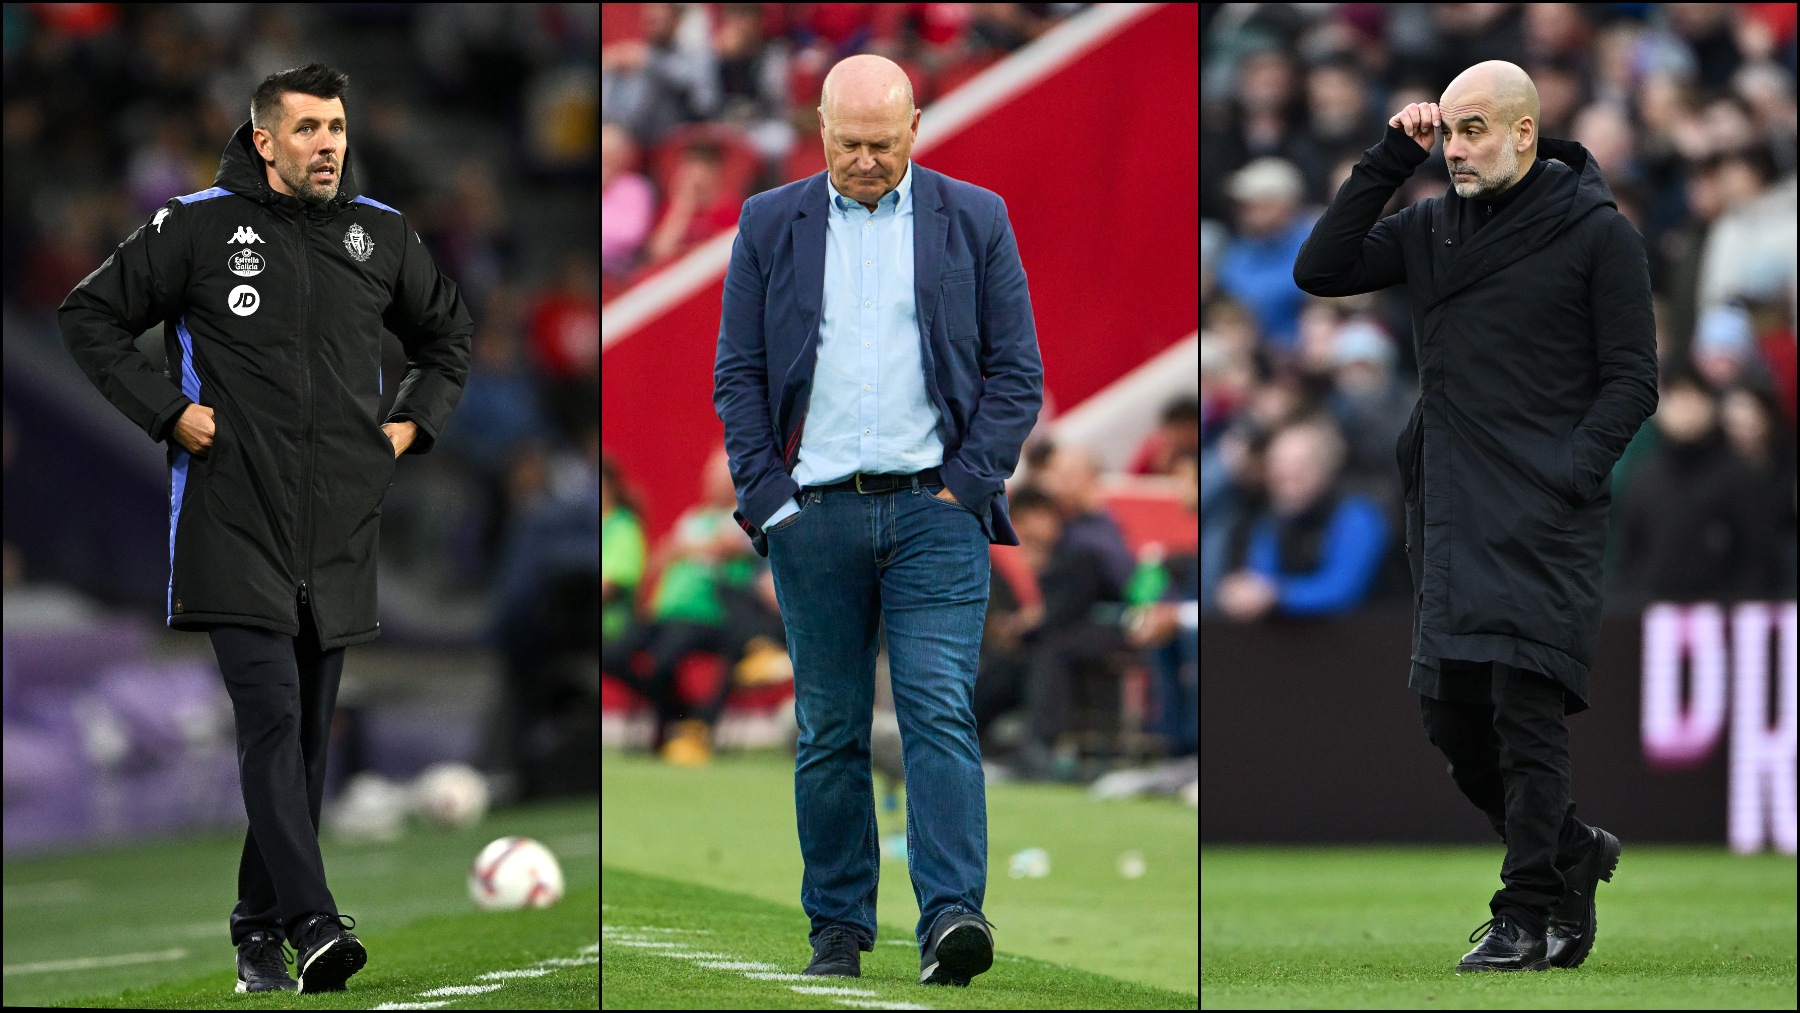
<point x="877" y="373"/>
<point x="1537" y="364"/>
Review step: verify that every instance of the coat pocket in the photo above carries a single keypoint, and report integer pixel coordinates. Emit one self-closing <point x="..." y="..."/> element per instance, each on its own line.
<point x="960" y="316"/>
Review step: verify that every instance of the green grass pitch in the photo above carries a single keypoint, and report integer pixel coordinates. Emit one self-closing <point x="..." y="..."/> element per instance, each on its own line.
<point x="708" y="860"/>
<point x="146" y="927"/>
<point x="1382" y="928"/>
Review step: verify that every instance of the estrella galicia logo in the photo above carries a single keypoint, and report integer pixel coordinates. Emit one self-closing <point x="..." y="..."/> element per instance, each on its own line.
<point x="246" y="263"/>
<point x="358" y="243"/>
<point x="244" y="234"/>
<point x="243" y="300"/>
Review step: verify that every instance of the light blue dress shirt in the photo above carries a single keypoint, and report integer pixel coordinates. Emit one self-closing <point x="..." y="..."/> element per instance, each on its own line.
<point x="869" y="410"/>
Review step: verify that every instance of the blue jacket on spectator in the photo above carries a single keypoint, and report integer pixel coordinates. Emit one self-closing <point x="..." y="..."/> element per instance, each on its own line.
<point x="1349" y="554"/>
<point x="1260" y="274"/>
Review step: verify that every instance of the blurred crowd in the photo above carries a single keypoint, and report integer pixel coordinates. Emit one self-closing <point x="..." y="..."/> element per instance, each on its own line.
<point x="705" y="105"/>
<point x="1689" y="110"/>
<point x="1068" y="613"/>
<point x="479" y="122"/>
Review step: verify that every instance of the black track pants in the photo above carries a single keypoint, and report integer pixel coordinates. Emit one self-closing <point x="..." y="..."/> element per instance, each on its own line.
<point x="283" y="690"/>
<point x="1511" y="758"/>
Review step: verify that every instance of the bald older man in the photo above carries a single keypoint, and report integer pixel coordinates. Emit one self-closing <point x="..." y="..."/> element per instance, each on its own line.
<point x="1537" y="364"/>
<point x="877" y="373"/>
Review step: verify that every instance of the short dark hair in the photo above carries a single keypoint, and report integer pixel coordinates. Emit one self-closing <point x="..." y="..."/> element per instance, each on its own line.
<point x="704" y="150"/>
<point x="1182" y="410"/>
<point x="314" y="79"/>
<point x="1023" y="499"/>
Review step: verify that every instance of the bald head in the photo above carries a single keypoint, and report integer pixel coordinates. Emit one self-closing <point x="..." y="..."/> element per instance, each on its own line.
<point x="866" y="84"/>
<point x="1505" y="85"/>
<point x="1490" y="117"/>
<point x="868" y="123"/>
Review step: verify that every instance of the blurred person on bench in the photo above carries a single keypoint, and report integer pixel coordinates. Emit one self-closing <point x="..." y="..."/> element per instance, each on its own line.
<point x="1315" y="551"/>
<point x="705" y="602"/>
<point x="1173" y="648"/>
<point x="1005" y="662"/>
<point x="1090" y="565"/>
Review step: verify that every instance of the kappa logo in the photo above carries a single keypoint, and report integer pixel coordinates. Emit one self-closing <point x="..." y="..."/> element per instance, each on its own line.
<point x="157" y="221"/>
<point x="244" y="234"/>
<point x="246" y="263"/>
<point x="358" y="243"/>
<point x="243" y="300"/>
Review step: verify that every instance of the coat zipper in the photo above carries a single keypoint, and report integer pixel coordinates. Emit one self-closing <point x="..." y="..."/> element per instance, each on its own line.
<point x="306" y="487"/>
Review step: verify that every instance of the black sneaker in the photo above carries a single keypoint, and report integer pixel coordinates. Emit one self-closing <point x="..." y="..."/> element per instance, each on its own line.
<point x="331" y="955"/>
<point x="1573" y="922"/>
<point x="262" y="962"/>
<point x="961" y="946"/>
<point x="836" y="954"/>
<point x="1506" y="947"/>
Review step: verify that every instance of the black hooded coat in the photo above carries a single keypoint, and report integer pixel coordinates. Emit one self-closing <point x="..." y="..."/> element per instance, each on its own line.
<point x="1536" y="346"/>
<point x="272" y="312"/>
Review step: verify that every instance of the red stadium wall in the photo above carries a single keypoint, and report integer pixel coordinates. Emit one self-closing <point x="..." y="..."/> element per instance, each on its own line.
<point x="1096" y="164"/>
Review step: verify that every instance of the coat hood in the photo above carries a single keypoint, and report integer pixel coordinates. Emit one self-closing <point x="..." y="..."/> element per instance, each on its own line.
<point x="1590" y="190"/>
<point x="1569" y="190"/>
<point x="241" y="170"/>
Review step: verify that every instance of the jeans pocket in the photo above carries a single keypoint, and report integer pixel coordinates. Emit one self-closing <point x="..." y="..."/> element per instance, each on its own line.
<point x="788" y="521"/>
<point x="931" y="493"/>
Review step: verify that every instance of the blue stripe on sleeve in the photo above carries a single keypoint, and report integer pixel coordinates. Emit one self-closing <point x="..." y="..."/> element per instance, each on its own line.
<point x="177" y="486"/>
<point x="372" y="203"/>
<point x="190" y="387"/>
<point x="207" y="194"/>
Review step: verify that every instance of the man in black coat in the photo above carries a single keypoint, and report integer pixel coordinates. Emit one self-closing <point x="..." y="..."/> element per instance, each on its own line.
<point x="272" y="287"/>
<point x="1537" y="364"/>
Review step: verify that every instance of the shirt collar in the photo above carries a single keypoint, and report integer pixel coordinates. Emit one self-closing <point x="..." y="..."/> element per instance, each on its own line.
<point x="899" y="198"/>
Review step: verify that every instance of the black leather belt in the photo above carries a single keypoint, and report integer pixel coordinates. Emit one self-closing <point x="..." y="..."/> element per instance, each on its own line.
<point x="867" y="483"/>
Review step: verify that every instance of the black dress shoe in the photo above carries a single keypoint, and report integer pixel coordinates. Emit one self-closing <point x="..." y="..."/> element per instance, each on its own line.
<point x="960" y="946"/>
<point x="837" y="953"/>
<point x="1506" y="947"/>
<point x="1572" y="921"/>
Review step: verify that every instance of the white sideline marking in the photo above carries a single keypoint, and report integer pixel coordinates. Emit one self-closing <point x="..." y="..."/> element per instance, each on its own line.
<point x="589" y="949"/>
<point x="88" y="963"/>
<point x="777" y="976"/>
<point x="696" y="955"/>
<point x="412" y="1005"/>
<point x="827" y="990"/>
<point x="567" y="961"/>
<point x="58" y="891"/>
<point x="737" y="965"/>
<point x="897" y="942"/>
<point x="531" y="972"/>
<point x="648" y="944"/>
<point x="462" y="990"/>
<point x="867" y="1004"/>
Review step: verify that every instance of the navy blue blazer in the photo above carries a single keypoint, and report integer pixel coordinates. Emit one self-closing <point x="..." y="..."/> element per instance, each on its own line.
<point x="978" y="339"/>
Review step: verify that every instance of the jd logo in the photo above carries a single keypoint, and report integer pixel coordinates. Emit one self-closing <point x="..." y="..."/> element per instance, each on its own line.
<point x="244" y="234"/>
<point x="243" y="300"/>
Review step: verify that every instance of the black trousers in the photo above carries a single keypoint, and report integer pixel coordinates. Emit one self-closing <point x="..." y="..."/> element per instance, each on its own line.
<point x="667" y="643"/>
<point x="1510" y="757"/>
<point x="282" y="691"/>
<point x="1056" y="655"/>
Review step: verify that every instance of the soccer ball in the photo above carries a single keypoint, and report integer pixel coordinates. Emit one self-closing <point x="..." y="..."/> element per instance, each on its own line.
<point x="513" y="873"/>
<point x="371" y="808"/>
<point x="451" y="795"/>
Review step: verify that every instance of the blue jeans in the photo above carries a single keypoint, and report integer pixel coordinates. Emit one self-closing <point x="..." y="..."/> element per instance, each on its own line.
<point x="1177" y="665"/>
<point x="845" y="563"/>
